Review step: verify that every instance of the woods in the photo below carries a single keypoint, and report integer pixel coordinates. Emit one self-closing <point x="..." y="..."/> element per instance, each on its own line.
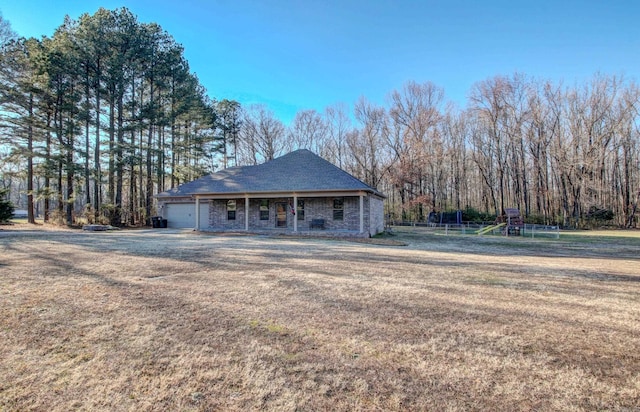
<point x="105" y="114"/>
<point x="98" y="116"/>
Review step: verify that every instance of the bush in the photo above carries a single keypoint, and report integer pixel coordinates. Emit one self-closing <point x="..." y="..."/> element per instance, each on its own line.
<point x="57" y="218"/>
<point x="6" y="207"/>
<point x="600" y="214"/>
<point x="472" y="215"/>
<point x="598" y="217"/>
<point x="535" y="219"/>
<point x="107" y="216"/>
<point x="87" y="217"/>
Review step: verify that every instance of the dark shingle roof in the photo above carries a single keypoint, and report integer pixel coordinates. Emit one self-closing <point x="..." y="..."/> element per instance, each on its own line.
<point x="298" y="171"/>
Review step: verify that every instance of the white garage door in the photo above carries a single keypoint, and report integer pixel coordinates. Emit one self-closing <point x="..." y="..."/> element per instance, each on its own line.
<point x="183" y="215"/>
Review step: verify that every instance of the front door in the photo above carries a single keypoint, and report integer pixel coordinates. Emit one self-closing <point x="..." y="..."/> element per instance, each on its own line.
<point x="281" y="214"/>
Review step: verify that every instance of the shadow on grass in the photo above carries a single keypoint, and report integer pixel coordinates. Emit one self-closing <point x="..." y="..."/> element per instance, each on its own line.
<point x="281" y="252"/>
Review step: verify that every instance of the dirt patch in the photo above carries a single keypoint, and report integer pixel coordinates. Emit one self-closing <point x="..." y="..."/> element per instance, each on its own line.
<point x="173" y="320"/>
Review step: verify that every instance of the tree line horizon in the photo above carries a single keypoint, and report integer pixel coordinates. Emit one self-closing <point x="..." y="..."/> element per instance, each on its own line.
<point x="105" y="114"/>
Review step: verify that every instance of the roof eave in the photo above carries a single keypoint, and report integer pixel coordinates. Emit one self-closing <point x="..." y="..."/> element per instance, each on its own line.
<point x="275" y="193"/>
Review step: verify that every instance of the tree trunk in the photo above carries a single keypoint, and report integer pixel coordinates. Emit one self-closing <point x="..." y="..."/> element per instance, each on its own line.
<point x="97" y="188"/>
<point x="149" y="185"/>
<point x="117" y="213"/>
<point x="133" y="201"/>
<point x="70" y="167"/>
<point x="47" y="175"/>
<point x="30" y="214"/>
<point x="87" y="124"/>
<point x="111" y="173"/>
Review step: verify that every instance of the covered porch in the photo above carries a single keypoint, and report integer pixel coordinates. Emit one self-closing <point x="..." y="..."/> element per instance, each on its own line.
<point x="336" y="213"/>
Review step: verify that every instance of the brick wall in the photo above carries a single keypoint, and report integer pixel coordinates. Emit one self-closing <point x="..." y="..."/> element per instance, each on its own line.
<point x="314" y="208"/>
<point x="218" y="215"/>
<point x="322" y="208"/>
<point x="376" y="212"/>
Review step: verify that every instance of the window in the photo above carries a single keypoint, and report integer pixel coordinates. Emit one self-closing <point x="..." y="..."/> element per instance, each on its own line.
<point x="264" y="209"/>
<point x="231" y="210"/>
<point x="338" y="209"/>
<point x="300" y="211"/>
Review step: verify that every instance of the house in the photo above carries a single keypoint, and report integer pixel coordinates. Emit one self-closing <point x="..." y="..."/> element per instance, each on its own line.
<point x="297" y="193"/>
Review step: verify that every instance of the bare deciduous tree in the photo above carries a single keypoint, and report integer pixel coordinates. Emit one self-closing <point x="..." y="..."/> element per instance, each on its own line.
<point x="6" y="32"/>
<point x="308" y="131"/>
<point x="366" y="145"/>
<point x="338" y="125"/>
<point x="262" y="135"/>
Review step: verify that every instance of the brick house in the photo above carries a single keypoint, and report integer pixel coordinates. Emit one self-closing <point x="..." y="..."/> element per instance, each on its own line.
<point x="297" y="193"/>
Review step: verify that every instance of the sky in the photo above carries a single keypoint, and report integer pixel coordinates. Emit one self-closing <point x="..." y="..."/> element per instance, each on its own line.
<point x="301" y="55"/>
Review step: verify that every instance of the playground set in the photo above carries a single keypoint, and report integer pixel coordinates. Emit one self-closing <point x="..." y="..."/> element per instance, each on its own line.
<point x="510" y="224"/>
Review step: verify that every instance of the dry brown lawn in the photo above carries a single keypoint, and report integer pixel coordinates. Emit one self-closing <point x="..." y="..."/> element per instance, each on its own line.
<point x="168" y="320"/>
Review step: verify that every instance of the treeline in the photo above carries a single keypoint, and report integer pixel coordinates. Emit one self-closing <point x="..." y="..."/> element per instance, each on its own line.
<point x="95" y="118"/>
<point x="565" y="155"/>
<point x="105" y="114"/>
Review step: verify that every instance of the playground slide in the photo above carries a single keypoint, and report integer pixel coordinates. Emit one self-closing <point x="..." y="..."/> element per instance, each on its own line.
<point x="490" y="228"/>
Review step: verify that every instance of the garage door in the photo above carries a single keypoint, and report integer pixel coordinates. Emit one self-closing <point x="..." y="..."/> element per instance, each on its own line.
<point x="183" y="215"/>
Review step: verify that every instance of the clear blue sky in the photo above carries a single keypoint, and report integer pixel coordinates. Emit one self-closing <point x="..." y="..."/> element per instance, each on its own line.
<point x="294" y="55"/>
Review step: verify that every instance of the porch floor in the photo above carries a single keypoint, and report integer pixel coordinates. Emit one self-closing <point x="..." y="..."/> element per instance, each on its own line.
<point x="288" y="232"/>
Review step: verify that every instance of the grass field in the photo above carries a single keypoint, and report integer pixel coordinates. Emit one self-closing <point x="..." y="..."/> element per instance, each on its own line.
<point x="167" y="320"/>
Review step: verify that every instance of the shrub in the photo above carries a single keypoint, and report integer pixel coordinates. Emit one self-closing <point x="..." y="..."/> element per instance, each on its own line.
<point x="535" y="219"/>
<point x="107" y="214"/>
<point x="600" y="214"/>
<point x="58" y="218"/>
<point x="6" y="207"/>
<point x="87" y="216"/>
<point x="473" y="215"/>
<point x="597" y="216"/>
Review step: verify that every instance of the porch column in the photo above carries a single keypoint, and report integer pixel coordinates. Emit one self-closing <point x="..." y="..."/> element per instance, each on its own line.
<point x="295" y="216"/>
<point x="361" y="213"/>
<point x="197" y="214"/>
<point x="246" y="213"/>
